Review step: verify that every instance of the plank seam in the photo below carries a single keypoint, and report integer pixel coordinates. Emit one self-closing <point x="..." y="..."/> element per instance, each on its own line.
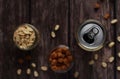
<point x="115" y="35"/>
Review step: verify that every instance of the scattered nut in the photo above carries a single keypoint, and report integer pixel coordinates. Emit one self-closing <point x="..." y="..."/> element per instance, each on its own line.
<point x="111" y="59"/>
<point x="104" y="64"/>
<point x="96" y="56"/>
<point x="28" y="57"/>
<point x="44" y="68"/>
<point x="53" y="35"/>
<point x="118" y="68"/>
<point x="57" y="27"/>
<point x="118" y="38"/>
<point x="91" y="62"/>
<point x="36" y="74"/>
<point x="20" y="61"/>
<point x="97" y="6"/>
<point x="76" y="74"/>
<point x="28" y="71"/>
<point x="24" y="37"/>
<point x="111" y="44"/>
<point x="114" y="21"/>
<point x="33" y="65"/>
<point x="118" y="54"/>
<point x="106" y="16"/>
<point x="19" y="71"/>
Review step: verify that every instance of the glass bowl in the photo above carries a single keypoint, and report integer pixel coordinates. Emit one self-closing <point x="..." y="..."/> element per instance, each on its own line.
<point x="36" y="35"/>
<point x="52" y="58"/>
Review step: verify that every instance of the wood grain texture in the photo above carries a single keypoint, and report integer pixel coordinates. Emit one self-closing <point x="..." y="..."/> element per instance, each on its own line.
<point x="44" y="16"/>
<point x="12" y="13"/>
<point x="80" y="11"/>
<point x="117" y="34"/>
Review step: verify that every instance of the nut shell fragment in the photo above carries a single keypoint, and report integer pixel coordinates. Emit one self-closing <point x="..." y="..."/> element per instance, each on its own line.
<point x="19" y="71"/>
<point x="118" y="68"/>
<point x="33" y="65"/>
<point x="76" y="74"/>
<point x="111" y="44"/>
<point x="111" y="59"/>
<point x="36" y="74"/>
<point x="106" y="16"/>
<point x="57" y="27"/>
<point x="96" y="6"/>
<point x="118" y="54"/>
<point x="44" y="68"/>
<point x="104" y="64"/>
<point x="53" y="35"/>
<point x="118" y="38"/>
<point x="96" y="56"/>
<point x="114" y="21"/>
<point x="28" y="71"/>
<point x="91" y="62"/>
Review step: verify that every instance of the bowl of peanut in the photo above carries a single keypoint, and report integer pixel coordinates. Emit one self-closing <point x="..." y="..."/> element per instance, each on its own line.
<point x="26" y="37"/>
<point x="61" y="59"/>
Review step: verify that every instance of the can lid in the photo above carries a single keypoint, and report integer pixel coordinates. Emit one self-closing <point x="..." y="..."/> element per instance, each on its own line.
<point x="91" y="35"/>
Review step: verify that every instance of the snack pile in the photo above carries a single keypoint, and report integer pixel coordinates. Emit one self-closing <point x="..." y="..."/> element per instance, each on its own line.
<point x="60" y="59"/>
<point x="24" y="37"/>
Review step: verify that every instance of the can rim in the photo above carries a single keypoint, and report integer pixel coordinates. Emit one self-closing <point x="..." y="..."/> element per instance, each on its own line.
<point x="102" y="27"/>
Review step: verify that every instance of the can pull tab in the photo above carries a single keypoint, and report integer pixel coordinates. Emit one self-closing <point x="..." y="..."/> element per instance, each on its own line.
<point x="89" y="37"/>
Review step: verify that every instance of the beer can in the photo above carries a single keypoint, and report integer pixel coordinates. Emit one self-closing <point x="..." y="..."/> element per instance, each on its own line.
<point x="91" y="35"/>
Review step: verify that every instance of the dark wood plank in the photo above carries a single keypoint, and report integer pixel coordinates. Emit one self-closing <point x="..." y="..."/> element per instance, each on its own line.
<point x="117" y="34"/>
<point x="80" y="11"/>
<point x="44" y="16"/>
<point x="12" y="13"/>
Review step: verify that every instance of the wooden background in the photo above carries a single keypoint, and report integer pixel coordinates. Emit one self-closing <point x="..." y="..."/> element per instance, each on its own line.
<point x="44" y="15"/>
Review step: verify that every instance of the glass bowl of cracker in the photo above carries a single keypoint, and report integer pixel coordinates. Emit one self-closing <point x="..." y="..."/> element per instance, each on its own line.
<point x="26" y="37"/>
<point x="61" y="59"/>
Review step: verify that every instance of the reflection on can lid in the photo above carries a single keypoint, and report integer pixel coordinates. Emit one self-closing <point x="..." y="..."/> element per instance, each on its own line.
<point x="91" y="35"/>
